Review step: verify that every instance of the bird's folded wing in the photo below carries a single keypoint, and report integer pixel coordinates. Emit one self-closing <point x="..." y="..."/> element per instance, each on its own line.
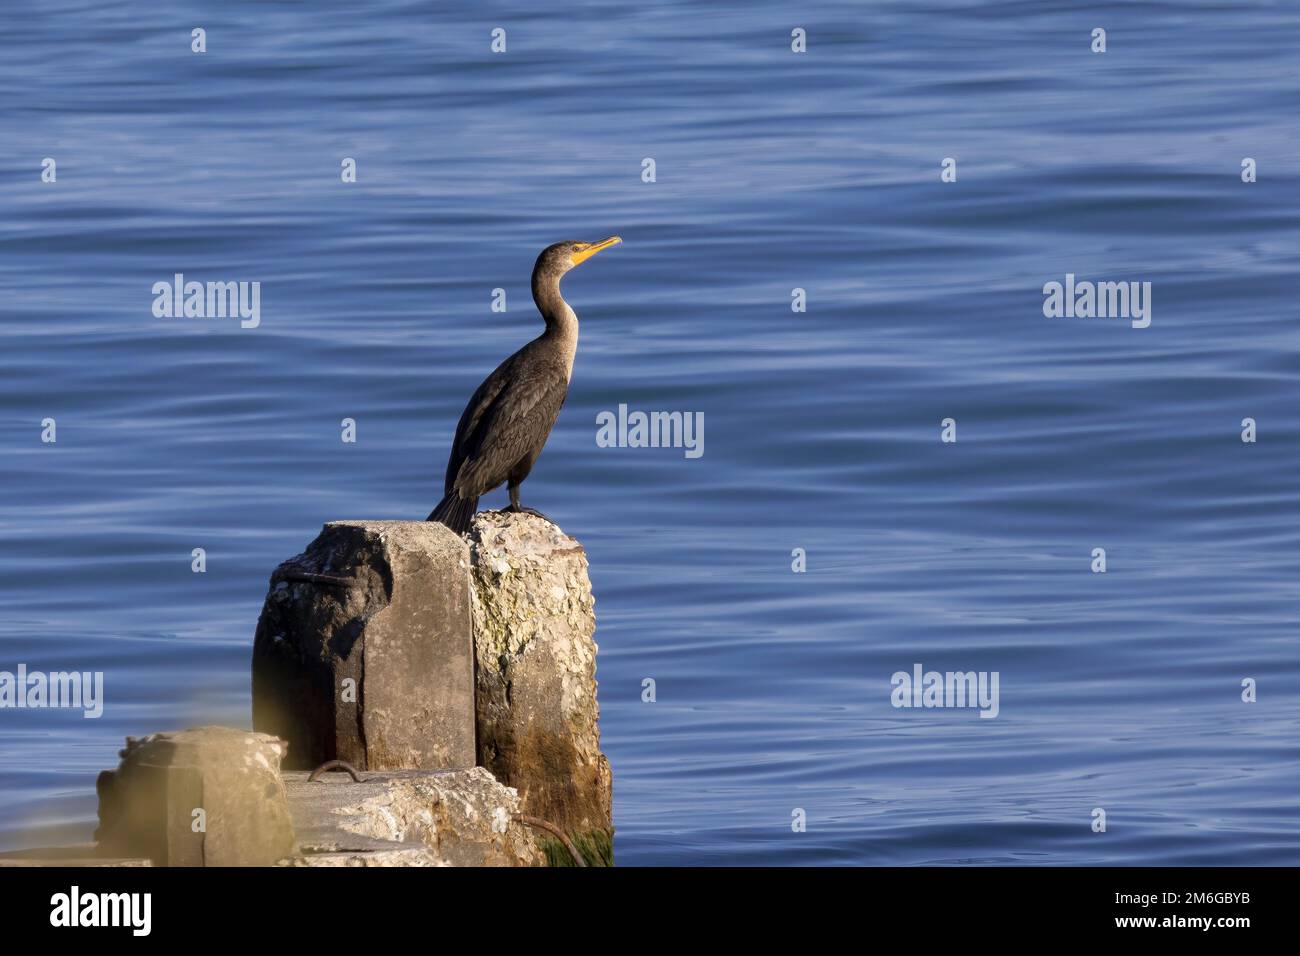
<point x="514" y="426"/>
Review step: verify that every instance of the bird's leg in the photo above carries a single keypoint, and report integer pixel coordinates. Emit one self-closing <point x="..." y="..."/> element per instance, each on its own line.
<point x="519" y="509"/>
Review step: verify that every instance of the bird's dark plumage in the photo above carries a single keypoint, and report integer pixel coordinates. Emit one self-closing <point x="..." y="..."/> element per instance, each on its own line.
<point x="509" y="417"/>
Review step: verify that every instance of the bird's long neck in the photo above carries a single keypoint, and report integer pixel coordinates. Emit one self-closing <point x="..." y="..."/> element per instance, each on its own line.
<point x="561" y="321"/>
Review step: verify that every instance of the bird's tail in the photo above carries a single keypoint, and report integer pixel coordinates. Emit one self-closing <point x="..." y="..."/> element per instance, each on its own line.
<point x="455" y="512"/>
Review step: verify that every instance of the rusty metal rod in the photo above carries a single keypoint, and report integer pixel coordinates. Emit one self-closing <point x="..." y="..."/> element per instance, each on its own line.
<point x="334" y="765"/>
<point x="551" y="828"/>
<point x="319" y="578"/>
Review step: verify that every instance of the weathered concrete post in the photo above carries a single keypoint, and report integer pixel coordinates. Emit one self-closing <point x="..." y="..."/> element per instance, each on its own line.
<point x="460" y="676"/>
<point x="210" y="796"/>
<point x="364" y="649"/>
<point x="396" y="645"/>
<point x="538" y="719"/>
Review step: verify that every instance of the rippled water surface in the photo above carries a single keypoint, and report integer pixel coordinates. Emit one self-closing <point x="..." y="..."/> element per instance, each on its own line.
<point x="774" y="171"/>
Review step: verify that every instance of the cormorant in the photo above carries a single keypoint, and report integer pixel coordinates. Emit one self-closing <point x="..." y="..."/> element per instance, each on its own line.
<point x="508" y="419"/>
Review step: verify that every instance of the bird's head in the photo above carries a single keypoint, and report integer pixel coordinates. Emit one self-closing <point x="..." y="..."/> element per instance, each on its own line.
<point x="558" y="259"/>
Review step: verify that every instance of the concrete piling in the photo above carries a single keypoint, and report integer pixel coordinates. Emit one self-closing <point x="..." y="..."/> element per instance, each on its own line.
<point x="538" y="718"/>
<point x="210" y="796"/>
<point x="457" y="676"/>
<point x="364" y="649"/>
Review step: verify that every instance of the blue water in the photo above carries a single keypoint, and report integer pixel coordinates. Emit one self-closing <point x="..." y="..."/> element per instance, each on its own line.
<point x="774" y="170"/>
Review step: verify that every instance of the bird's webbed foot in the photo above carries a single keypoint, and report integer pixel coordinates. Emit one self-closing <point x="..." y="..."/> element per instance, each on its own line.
<point x="521" y="510"/>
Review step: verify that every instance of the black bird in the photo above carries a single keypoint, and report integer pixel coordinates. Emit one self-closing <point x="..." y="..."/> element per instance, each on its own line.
<point x="508" y="419"/>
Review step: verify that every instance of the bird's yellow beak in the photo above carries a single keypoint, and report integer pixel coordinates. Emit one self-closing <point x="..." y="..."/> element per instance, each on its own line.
<point x="584" y="253"/>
